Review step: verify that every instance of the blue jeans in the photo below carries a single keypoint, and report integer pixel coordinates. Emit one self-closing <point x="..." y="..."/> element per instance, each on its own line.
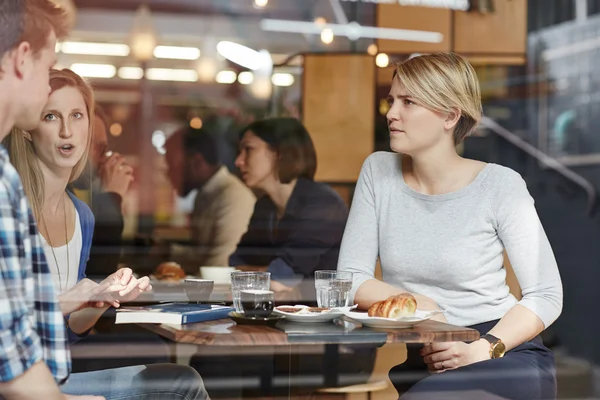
<point x="142" y="382"/>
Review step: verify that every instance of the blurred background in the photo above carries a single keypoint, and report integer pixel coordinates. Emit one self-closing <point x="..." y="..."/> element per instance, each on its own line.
<point x="158" y="65"/>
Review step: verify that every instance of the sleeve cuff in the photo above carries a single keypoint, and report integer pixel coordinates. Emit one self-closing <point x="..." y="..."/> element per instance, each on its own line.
<point x="282" y="272"/>
<point x="236" y="260"/>
<point x="357" y="281"/>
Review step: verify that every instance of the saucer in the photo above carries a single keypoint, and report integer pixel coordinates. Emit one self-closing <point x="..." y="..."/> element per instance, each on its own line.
<point x="241" y="319"/>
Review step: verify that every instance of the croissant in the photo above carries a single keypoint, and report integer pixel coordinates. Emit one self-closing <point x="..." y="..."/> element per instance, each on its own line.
<point x="399" y="306"/>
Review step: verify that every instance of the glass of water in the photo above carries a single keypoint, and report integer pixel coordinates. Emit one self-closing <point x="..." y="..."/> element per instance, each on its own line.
<point x="333" y="288"/>
<point x="241" y="280"/>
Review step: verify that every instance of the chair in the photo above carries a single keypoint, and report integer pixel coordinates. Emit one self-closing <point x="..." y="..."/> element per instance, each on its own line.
<point x="388" y="356"/>
<point x="368" y="388"/>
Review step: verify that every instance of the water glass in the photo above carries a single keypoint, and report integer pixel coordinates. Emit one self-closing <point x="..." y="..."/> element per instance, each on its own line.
<point x="241" y="280"/>
<point x="333" y="288"/>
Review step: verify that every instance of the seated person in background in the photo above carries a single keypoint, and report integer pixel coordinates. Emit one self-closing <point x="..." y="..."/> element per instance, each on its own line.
<point x="298" y="223"/>
<point x="48" y="158"/>
<point x="440" y="224"/>
<point x="222" y="207"/>
<point x="295" y="230"/>
<point x="107" y="179"/>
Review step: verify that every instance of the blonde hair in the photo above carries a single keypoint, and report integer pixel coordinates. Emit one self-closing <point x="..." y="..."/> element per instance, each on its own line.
<point x="444" y="82"/>
<point x="22" y="153"/>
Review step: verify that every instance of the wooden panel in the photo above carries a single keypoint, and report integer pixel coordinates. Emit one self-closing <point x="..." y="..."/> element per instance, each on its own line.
<point x="504" y="31"/>
<point x="345" y="192"/>
<point x="418" y="18"/>
<point x="496" y="59"/>
<point x="338" y="109"/>
<point x="385" y="76"/>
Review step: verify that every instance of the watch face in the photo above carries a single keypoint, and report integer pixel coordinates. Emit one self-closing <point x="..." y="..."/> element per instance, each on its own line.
<point x="499" y="350"/>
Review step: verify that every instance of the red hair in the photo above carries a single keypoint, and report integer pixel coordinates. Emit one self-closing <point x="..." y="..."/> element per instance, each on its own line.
<point x="40" y="17"/>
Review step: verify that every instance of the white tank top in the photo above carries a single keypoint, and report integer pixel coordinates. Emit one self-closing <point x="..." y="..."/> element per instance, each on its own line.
<point x="75" y="245"/>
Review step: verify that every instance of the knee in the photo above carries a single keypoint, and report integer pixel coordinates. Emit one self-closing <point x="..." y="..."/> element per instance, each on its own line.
<point x="186" y="379"/>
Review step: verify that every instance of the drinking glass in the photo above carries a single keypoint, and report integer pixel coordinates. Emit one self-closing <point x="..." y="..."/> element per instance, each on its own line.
<point x="333" y="288"/>
<point x="241" y="280"/>
<point x="257" y="303"/>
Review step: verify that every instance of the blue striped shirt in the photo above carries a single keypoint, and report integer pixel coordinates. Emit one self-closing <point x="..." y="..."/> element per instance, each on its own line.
<point x="32" y="327"/>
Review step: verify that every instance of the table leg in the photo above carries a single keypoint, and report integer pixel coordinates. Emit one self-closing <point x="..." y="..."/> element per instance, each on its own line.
<point x="184" y="353"/>
<point x="331" y="365"/>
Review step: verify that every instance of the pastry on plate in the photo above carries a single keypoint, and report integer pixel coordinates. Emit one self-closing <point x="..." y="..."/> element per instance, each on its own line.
<point x="395" y="307"/>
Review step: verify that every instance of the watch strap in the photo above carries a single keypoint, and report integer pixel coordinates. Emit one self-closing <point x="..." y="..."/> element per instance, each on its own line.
<point x="491" y="338"/>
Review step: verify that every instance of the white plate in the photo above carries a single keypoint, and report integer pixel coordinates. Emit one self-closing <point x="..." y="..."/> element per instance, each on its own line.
<point x="379" y="322"/>
<point x="313" y="317"/>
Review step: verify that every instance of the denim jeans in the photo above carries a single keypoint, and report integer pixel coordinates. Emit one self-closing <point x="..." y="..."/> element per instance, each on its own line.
<point x="142" y="382"/>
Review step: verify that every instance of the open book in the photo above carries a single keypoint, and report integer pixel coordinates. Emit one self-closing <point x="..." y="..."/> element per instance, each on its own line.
<point x="171" y="313"/>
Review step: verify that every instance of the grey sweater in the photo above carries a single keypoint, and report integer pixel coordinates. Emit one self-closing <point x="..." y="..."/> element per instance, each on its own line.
<point x="449" y="247"/>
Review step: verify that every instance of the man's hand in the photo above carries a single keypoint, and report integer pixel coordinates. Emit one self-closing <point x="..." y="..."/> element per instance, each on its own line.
<point x="116" y="175"/>
<point x="445" y="356"/>
<point x="88" y="294"/>
<point x="283" y="292"/>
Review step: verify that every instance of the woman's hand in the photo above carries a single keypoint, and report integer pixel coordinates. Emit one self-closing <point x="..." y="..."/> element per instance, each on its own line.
<point x="130" y="286"/>
<point x="88" y="294"/>
<point x="445" y="356"/>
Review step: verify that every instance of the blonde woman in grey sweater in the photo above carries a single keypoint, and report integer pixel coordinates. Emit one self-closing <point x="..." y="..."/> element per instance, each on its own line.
<point x="439" y="224"/>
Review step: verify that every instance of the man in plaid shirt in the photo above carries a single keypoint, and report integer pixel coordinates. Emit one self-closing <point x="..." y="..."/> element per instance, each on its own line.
<point x="32" y="329"/>
<point x="35" y="361"/>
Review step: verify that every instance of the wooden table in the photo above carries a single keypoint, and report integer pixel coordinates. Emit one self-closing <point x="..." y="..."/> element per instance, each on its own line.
<point x="227" y="333"/>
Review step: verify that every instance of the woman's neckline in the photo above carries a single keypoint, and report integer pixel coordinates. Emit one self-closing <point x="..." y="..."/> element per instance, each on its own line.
<point x="473" y="185"/>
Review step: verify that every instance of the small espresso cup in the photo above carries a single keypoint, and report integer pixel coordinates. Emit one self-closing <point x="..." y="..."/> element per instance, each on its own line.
<point x="257" y="303"/>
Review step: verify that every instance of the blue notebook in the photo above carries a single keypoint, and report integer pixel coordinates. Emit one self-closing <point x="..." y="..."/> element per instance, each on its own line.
<point x="171" y="313"/>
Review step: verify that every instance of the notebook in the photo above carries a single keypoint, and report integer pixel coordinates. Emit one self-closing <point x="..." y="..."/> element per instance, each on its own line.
<point x="171" y="313"/>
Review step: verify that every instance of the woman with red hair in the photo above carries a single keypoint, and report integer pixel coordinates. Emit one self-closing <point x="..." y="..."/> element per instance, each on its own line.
<point x="48" y="159"/>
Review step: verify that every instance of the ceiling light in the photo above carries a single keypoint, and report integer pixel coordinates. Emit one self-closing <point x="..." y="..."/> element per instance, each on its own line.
<point x="168" y="74"/>
<point x="246" y="77"/>
<point x="207" y="69"/>
<point x="327" y="36"/>
<point x="353" y="31"/>
<point x="372" y="49"/>
<point x="241" y="55"/>
<point x="320" y="21"/>
<point x="96" y="49"/>
<point x="282" y="79"/>
<point x="382" y="60"/>
<point x="261" y="3"/>
<point x="461" y="5"/>
<point x="116" y="129"/>
<point x="226" y="77"/>
<point x="94" y="70"/>
<point x="158" y="141"/>
<point x="177" y="53"/>
<point x="196" y="123"/>
<point x="130" y="73"/>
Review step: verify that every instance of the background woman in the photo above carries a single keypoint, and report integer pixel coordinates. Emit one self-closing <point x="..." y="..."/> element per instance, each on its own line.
<point x="298" y="221"/>
<point x="440" y="224"/>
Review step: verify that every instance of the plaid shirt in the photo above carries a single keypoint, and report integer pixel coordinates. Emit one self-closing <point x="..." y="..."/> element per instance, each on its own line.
<point x="32" y="327"/>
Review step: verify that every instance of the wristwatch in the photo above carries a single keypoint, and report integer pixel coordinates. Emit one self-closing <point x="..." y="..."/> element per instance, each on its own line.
<point x="497" y="347"/>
